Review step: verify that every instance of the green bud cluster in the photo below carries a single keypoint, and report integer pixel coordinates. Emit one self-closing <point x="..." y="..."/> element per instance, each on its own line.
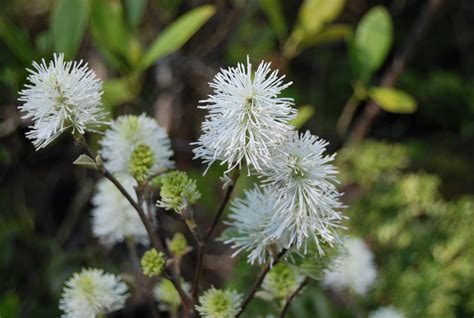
<point x="218" y="303"/>
<point x="141" y="161"/>
<point x="153" y="262"/>
<point x="178" y="245"/>
<point x="281" y="281"/>
<point x="178" y="191"/>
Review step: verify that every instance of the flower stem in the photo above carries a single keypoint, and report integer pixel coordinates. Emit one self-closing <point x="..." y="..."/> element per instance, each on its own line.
<point x="259" y="281"/>
<point x="187" y="303"/>
<point x="292" y="297"/>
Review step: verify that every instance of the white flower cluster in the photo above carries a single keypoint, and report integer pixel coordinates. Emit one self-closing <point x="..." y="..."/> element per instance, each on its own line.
<point x="114" y="218"/>
<point x="126" y="133"/>
<point x="353" y="269"/>
<point x="61" y="95"/>
<point x="248" y="124"/>
<point x="91" y="293"/>
<point x="386" y="312"/>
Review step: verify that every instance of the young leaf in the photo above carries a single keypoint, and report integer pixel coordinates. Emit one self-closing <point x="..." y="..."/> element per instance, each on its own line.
<point x="393" y="100"/>
<point x="85" y="161"/>
<point x="68" y="25"/>
<point x="178" y="33"/>
<point x="371" y="43"/>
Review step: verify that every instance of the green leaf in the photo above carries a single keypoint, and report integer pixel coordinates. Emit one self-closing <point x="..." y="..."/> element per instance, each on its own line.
<point x="393" y="100"/>
<point x="110" y="32"/>
<point x="178" y="33"/>
<point x="304" y="114"/>
<point x="68" y="25"/>
<point x="371" y="43"/>
<point x="330" y="33"/>
<point x="314" y="14"/>
<point x="274" y="12"/>
<point x="313" y="17"/>
<point x="86" y="162"/>
<point x="135" y="10"/>
<point x="118" y="91"/>
<point x="17" y="41"/>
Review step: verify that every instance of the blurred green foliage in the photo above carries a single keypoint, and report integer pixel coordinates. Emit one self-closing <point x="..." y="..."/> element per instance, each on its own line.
<point x="410" y="198"/>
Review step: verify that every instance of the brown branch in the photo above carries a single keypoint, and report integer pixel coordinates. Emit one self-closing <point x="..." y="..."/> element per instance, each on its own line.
<point x="187" y="303"/>
<point x="292" y="296"/>
<point x="259" y="281"/>
<point x="391" y="75"/>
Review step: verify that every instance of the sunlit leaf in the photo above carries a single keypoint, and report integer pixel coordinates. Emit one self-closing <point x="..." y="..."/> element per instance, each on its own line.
<point x="393" y="100"/>
<point x="314" y="14"/>
<point x="371" y="43"/>
<point x="68" y="25"/>
<point x="178" y="33"/>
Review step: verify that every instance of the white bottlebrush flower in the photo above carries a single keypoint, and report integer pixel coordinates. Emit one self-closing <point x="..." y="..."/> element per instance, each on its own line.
<point x="353" y="269"/>
<point x="113" y="217"/>
<point x="246" y="116"/>
<point x="218" y="303"/>
<point x="91" y="293"/>
<point x="250" y="217"/>
<point x="386" y="312"/>
<point x="126" y="133"/>
<point x="309" y="200"/>
<point x="60" y="95"/>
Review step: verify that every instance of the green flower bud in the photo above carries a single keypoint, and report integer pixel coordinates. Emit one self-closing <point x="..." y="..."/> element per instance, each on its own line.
<point x="141" y="161"/>
<point x="281" y="281"/>
<point x="217" y="303"/>
<point x="178" y="244"/>
<point x="153" y="262"/>
<point x="178" y="191"/>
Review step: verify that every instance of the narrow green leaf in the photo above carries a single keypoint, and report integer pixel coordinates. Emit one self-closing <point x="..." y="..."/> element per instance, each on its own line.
<point x="109" y="30"/>
<point x="393" y="100"/>
<point x="304" y="114"/>
<point x="178" y="33"/>
<point x="17" y="41"/>
<point x="371" y="43"/>
<point x="330" y="33"/>
<point x="135" y="10"/>
<point x="68" y="25"/>
<point x="274" y="12"/>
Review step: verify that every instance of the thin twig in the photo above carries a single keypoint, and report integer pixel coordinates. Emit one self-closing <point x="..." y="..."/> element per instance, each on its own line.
<point x="187" y="304"/>
<point x="259" y="281"/>
<point x="391" y="75"/>
<point x="292" y="296"/>
<point x="222" y="206"/>
<point x="202" y="243"/>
